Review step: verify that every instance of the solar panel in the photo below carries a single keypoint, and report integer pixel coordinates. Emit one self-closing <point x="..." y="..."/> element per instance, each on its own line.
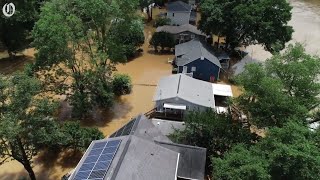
<point x="98" y="161"/>
<point x="125" y="130"/>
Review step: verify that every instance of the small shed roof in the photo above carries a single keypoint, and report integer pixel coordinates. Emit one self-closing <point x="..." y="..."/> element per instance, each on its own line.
<point x="193" y="50"/>
<point x="179" y="6"/>
<point x="182" y="86"/>
<point x="180" y="29"/>
<point x="222" y="90"/>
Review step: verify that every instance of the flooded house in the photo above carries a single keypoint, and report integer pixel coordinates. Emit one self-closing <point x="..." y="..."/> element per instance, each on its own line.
<point x="139" y="150"/>
<point x="177" y="94"/>
<point x="181" y="13"/>
<point x="198" y="60"/>
<point x="183" y="33"/>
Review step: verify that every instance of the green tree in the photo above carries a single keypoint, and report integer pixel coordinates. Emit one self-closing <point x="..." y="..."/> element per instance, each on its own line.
<point x="27" y="124"/>
<point x="121" y="84"/>
<point x="298" y="72"/>
<point x="264" y="99"/>
<point x="217" y="132"/>
<point x="162" y="39"/>
<point x="15" y="31"/>
<point x="72" y="40"/>
<point x="248" y="22"/>
<point x="24" y="120"/>
<point x="290" y="152"/>
<point x="162" y="22"/>
<point x="78" y="137"/>
<point x="124" y="38"/>
<point x="286" y="88"/>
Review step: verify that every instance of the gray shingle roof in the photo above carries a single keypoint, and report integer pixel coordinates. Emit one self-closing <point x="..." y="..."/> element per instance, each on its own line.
<point x="179" y="6"/>
<point x="180" y="29"/>
<point x="142" y="127"/>
<point x="191" y="160"/>
<point x="167" y="127"/>
<point x="141" y="156"/>
<point x="146" y="160"/>
<point x="183" y="87"/>
<point x="193" y="50"/>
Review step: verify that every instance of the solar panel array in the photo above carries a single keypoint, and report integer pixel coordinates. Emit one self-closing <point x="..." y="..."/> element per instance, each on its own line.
<point x="98" y="161"/>
<point x="125" y="130"/>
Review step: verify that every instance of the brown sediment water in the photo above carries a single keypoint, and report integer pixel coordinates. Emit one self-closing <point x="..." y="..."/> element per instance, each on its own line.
<point x="145" y="72"/>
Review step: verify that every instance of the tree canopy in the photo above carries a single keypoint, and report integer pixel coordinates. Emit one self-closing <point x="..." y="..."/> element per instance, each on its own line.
<point x="248" y="22"/>
<point x="291" y="152"/>
<point x="15" y="31"/>
<point x="285" y="88"/>
<point x="27" y="124"/>
<point x="82" y="40"/>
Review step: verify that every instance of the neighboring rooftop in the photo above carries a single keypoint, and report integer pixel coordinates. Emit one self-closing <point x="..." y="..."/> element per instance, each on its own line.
<point x="180" y="29"/>
<point x="182" y="86"/>
<point x="179" y="6"/>
<point x="193" y="50"/>
<point x="139" y="153"/>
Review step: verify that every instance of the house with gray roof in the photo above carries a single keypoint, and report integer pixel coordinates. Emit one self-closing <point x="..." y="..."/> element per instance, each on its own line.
<point x="180" y="13"/>
<point x="197" y="59"/>
<point x="183" y="33"/>
<point x="138" y="151"/>
<point x="177" y="94"/>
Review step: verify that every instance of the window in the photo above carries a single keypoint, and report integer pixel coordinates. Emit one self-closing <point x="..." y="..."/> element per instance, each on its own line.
<point x="193" y="68"/>
<point x="185" y="69"/>
<point x="172" y="14"/>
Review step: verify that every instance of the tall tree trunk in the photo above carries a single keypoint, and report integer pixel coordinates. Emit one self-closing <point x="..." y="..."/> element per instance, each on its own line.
<point x="151" y="13"/>
<point x="25" y="160"/>
<point x="148" y="13"/>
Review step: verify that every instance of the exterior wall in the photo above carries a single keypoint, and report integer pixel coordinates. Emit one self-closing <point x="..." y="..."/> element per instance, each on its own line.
<point x="190" y="106"/>
<point x="204" y="69"/>
<point x="179" y="18"/>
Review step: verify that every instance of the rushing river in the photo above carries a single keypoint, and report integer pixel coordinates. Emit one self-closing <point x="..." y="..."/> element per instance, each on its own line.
<point x="148" y="69"/>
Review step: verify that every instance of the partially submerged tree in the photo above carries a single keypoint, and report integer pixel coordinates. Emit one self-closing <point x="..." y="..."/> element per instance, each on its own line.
<point x="248" y="22"/>
<point x="27" y="124"/>
<point x="286" y="88"/>
<point x="15" y="31"/>
<point x="291" y="152"/>
<point x="121" y="84"/>
<point x="162" y="39"/>
<point x="81" y="41"/>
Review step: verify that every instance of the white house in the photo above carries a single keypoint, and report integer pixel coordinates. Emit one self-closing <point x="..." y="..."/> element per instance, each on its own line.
<point x="180" y="13"/>
<point x="179" y="93"/>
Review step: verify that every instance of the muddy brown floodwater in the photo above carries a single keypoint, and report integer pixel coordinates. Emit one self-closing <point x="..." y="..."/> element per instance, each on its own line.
<point x="145" y="72"/>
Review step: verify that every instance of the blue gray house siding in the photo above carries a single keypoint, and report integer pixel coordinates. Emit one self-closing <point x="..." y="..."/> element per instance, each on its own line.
<point x="204" y="69"/>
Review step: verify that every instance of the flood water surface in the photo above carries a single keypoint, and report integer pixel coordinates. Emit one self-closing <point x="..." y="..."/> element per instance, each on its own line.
<point x="145" y="72"/>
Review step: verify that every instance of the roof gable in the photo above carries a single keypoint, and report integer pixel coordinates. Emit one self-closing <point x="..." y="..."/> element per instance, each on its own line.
<point x="182" y="86"/>
<point x="179" y="6"/>
<point x="180" y="29"/>
<point x="190" y="51"/>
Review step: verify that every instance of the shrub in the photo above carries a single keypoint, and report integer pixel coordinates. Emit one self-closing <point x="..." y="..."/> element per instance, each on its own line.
<point x="162" y="39"/>
<point x="121" y="84"/>
<point x="161" y="22"/>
